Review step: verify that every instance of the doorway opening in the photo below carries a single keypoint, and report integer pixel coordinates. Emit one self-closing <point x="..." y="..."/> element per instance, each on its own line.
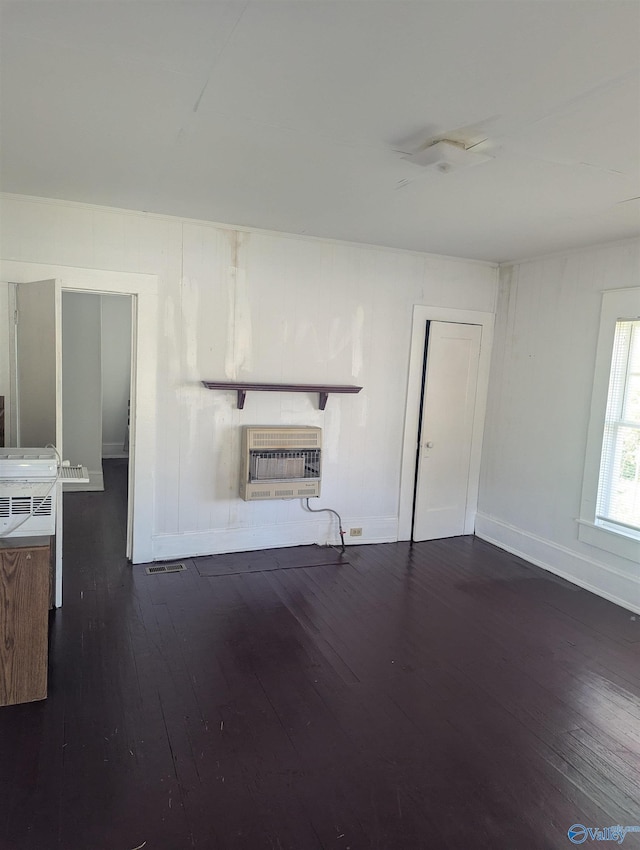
<point x="414" y="498"/>
<point x="96" y="381"/>
<point x="421" y="409"/>
<point x="143" y="289"/>
<point x="96" y="386"/>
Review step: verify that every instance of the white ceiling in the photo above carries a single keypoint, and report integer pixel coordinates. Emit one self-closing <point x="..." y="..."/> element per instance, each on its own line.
<point x="294" y="115"/>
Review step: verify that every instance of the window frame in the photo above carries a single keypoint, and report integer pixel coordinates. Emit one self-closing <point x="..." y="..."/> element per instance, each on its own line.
<point x="616" y="420"/>
<point x="617" y="305"/>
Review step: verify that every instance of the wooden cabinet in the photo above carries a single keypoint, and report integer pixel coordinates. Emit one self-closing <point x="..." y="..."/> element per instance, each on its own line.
<point x="24" y="619"/>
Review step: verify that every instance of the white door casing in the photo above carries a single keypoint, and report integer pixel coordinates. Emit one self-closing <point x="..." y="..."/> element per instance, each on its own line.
<point x="444" y="452"/>
<point x="142" y="457"/>
<point x="421" y="315"/>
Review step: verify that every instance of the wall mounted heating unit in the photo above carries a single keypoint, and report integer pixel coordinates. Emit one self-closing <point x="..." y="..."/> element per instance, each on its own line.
<point x="280" y="463"/>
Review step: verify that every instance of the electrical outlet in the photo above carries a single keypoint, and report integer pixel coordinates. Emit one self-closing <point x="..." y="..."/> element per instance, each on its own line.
<point x="355" y="532"/>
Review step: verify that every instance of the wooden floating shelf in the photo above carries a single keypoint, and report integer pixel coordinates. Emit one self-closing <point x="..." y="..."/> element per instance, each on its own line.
<point x="323" y="390"/>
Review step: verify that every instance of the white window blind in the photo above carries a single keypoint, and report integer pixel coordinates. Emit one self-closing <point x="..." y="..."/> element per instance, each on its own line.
<point x="618" y="501"/>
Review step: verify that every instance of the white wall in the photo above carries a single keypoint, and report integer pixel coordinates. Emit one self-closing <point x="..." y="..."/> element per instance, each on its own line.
<point x="81" y="386"/>
<point x="116" y="372"/>
<point x="264" y="307"/>
<point x="538" y="414"/>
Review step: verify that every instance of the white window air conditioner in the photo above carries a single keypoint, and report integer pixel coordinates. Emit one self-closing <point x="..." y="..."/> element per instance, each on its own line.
<point x="280" y="463"/>
<point x="27" y="492"/>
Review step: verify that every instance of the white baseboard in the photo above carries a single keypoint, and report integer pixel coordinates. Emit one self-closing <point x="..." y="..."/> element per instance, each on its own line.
<point x="302" y="533"/>
<point x="112" y="450"/>
<point x="616" y="585"/>
<point x="96" y="483"/>
<point x="374" y="529"/>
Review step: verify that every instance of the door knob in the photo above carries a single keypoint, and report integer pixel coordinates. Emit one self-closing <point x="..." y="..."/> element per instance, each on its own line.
<point x="428" y="445"/>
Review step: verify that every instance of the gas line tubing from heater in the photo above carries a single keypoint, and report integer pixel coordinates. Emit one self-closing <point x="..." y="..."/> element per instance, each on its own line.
<point x="305" y="504"/>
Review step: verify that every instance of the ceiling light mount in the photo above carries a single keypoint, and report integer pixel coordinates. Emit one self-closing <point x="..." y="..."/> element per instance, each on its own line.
<point x="445" y="156"/>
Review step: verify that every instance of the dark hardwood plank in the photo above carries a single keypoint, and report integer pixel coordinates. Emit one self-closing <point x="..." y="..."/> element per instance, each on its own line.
<point x="443" y="695"/>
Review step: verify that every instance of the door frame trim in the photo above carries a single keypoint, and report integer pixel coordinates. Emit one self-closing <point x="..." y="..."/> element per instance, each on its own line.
<point x="422" y="315"/>
<point x="142" y="459"/>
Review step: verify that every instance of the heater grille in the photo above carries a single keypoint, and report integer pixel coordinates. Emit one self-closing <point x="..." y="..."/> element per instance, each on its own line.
<point x="284" y="465"/>
<point x="280" y="463"/>
<point x="283" y="438"/>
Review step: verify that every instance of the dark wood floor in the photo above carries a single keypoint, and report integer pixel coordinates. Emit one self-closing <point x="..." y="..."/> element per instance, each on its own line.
<point x="444" y="695"/>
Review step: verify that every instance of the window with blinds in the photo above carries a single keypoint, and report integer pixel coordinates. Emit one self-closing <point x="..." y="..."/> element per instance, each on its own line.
<point x="618" y="500"/>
